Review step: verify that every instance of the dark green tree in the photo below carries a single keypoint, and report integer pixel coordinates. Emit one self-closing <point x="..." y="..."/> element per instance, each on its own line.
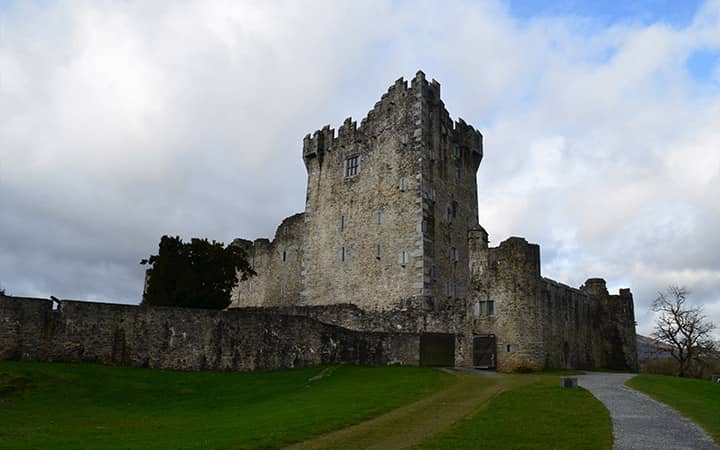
<point x="195" y="274"/>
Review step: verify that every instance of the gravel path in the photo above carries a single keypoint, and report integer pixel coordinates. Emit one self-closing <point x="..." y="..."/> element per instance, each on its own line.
<point x="640" y="422"/>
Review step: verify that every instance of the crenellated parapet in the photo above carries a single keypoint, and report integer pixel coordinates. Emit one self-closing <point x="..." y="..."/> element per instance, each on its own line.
<point x="470" y="139"/>
<point x="405" y="108"/>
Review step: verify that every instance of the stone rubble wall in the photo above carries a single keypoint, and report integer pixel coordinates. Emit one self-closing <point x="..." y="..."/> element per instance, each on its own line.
<point x="188" y="339"/>
<point x="278" y="265"/>
<point x="540" y="323"/>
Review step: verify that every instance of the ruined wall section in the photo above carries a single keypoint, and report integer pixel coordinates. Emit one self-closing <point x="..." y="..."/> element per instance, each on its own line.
<point x="570" y="334"/>
<point x="189" y="339"/>
<point x="412" y="316"/>
<point x="615" y="326"/>
<point x="509" y="277"/>
<point x="278" y="264"/>
<point x="540" y="323"/>
<point x="362" y="242"/>
<point x="23" y="326"/>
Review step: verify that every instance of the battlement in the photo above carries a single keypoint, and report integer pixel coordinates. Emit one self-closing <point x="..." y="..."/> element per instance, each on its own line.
<point x="406" y="97"/>
<point x="470" y="138"/>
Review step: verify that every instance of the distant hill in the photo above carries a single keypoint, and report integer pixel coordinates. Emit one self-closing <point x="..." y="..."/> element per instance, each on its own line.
<point x="649" y="348"/>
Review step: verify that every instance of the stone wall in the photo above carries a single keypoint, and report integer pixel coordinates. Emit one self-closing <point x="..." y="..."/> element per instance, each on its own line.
<point x="188" y="339"/>
<point x="278" y="265"/>
<point x="540" y="323"/>
<point x="363" y="243"/>
<point x="414" y="316"/>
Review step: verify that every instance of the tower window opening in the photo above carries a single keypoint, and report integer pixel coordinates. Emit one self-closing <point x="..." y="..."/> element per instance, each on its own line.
<point x="352" y="164"/>
<point x="490" y="308"/>
<point x="403" y="258"/>
<point x="284" y="255"/>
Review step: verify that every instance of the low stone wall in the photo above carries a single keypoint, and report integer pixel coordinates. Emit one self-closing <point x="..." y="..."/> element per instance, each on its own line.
<point x="188" y="339"/>
<point x="413" y="317"/>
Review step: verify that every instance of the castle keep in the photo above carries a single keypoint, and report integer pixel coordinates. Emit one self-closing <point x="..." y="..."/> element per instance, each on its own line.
<point x="390" y="242"/>
<point x="388" y="264"/>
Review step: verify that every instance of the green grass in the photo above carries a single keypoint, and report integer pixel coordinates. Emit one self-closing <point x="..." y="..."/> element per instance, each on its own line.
<point x="90" y="406"/>
<point x="541" y="415"/>
<point x="697" y="399"/>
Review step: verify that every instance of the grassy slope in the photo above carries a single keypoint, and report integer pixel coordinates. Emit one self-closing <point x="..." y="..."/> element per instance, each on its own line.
<point x="90" y="406"/>
<point x="697" y="399"/>
<point x="541" y="415"/>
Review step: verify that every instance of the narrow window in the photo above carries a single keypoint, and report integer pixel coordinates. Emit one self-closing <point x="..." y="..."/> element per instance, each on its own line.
<point x="447" y="289"/>
<point x="403" y="258"/>
<point x="378" y="251"/>
<point x="284" y="255"/>
<point x="508" y="348"/>
<point x="352" y="164"/>
<point x="454" y="209"/>
<point x="483" y="307"/>
<point x="448" y="214"/>
<point x="458" y="172"/>
<point x="455" y="290"/>
<point x="343" y="222"/>
<point x="342" y="254"/>
<point x="455" y="255"/>
<point x="476" y="309"/>
<point x="379" y="217"/>
<point x="456" y="151"/>
<point x="490" y="308"/>
<point x="403" y="184"/>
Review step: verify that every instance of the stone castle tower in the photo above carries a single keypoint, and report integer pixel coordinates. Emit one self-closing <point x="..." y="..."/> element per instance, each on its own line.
<point x="390" y="241"/>
<point x="389" y="205"/>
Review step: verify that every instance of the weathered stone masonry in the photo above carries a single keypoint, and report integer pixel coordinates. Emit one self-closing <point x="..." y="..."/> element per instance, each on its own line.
<point x="187" y="339"/>
<point x="391" y="227"/>
<point x="387" y="264"/>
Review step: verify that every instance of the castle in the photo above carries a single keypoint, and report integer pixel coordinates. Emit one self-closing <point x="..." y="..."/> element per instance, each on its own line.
<point x="387" y="265"/>
<point x="390" y="242"/>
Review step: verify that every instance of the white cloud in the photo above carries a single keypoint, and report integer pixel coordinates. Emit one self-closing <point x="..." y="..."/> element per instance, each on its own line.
<point x="123" y="121"/>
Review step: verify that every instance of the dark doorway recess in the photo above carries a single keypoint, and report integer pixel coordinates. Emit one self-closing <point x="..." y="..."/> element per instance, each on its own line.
<point x="437" y="349"/>
<point x="484" y="349"/>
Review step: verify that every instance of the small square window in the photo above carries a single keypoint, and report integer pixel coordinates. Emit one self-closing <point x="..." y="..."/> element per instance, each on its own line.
<point x="352" y="166"/>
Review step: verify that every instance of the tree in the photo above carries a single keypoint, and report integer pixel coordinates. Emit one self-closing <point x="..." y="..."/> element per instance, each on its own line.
<point x="195" y="274"/>
<point x="684" y="328"/>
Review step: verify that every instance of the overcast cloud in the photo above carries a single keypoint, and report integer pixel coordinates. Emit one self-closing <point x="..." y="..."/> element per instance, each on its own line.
<point x="123" y="121"/>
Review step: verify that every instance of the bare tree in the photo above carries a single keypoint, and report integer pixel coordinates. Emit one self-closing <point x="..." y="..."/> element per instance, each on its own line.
<point x="685" y="328"/>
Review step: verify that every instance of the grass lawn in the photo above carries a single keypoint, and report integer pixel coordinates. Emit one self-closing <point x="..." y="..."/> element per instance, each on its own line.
<point x="539" y="415"/>
<point x="91" y="406"/>
<point x="697" y="399"/>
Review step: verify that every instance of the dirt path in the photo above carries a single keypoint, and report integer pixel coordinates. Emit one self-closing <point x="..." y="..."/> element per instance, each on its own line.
<point x="411" y="424"/>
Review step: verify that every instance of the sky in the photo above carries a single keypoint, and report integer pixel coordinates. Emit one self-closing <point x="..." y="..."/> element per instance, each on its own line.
<point x="123" y="121"/>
